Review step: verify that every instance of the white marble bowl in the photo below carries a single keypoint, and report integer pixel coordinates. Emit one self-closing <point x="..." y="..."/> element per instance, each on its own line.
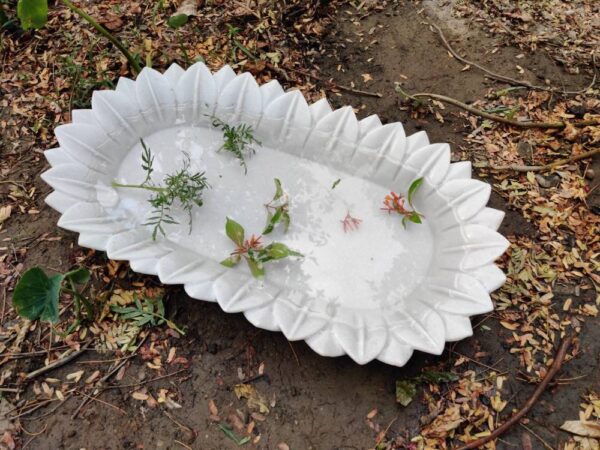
<point x="378" y="292"/>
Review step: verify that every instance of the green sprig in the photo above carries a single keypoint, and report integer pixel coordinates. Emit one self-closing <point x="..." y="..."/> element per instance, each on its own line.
<point x="183" y="186"/>
<point x="237" y="140"/>
<point x="149" y="311"/>
<point x="277" y="210"/>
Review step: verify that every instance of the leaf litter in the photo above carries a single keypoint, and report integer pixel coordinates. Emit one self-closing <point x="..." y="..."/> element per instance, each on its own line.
<point x="41" y="82"/>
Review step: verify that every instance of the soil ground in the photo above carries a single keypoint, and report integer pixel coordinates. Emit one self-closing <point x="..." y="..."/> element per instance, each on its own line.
<point x="316" y="402"/>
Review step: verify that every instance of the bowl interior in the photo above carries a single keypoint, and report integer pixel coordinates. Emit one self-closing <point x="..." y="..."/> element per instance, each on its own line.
<point x="373" y="266"/>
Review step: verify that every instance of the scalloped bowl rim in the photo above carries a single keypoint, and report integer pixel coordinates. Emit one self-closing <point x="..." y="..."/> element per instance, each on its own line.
<point x="91" y="149"/>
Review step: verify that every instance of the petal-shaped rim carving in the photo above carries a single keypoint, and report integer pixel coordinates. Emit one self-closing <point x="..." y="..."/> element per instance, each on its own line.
<point x="458" y="287"/>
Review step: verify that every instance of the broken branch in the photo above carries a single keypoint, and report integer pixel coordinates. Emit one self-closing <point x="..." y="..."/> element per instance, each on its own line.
<point x="510" y="80"/>
<point x="554" y="368"/>
<point x="544" y="168"/>
<point x="494" y="117"/>
<point x="70" y="356"/>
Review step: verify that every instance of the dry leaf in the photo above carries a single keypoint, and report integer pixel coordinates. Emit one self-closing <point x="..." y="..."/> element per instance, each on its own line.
<point x="187" y="7"/>
<point x="75" y="376"/>
<point x="255" y="399"/>
<point x="138" y="395"/>
<point x="581" y="428"/>
<point x="212" y="407"/>
<point x="5" y="213"/>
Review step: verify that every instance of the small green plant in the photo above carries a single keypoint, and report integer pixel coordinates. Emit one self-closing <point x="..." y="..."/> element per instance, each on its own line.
<point x="175" y="22"/>
<point x="82" y="83"/>
<point x="34" y="14"/>
<point x="395" y="203"/>
<point x="406" y="389"/>
<point x="37" y="295"/>
<point x="232" y="33"/>
<point x="148" y="311"/>
<point x="253" y="251"/>
<point x="228" y="431"/>
<point x="237" y="140"/>
<point x="277" y="210"/>
<point x="182" y="186"/>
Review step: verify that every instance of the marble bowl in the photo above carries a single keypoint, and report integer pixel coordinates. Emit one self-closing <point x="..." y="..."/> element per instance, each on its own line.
<point x="377" y="292"/>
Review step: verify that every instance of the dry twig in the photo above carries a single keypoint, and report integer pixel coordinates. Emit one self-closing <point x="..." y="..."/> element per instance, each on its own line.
<point x="554" y="368"/>
<point x="545" y="167"/>
<point x="494" y="117"/>
<point x="510" y="80"/>
<point x="59" y="362"/>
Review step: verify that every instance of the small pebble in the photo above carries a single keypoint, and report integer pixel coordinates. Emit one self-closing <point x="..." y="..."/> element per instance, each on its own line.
<point x="549" y="181"/>
<point x="590" y="174"/>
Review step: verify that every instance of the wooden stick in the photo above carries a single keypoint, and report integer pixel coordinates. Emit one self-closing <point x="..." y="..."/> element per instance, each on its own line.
<point x="151" y="380"/>
<point x="544" y="168"/>
<point x="494" y="117"/>
<point x="510" y="80"/>
<point x="554" y="368"/>
<point x="59" y="362"/>
<point x="89" y="397"/>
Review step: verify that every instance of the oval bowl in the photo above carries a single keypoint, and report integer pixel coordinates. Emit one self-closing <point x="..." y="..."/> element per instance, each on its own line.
<point x="375" y="291"/>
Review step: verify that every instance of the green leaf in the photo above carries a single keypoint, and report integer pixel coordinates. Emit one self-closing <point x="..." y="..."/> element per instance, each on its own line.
<point x="273" y="219"/>
<point x="230" y="262"/>
<point x="335" y="183"/>
<point x="415" y="218"/>
<point x="434" y="377"/>
<point x="295" y="253"/>
<point x="231" y="435"/>
<point x="278" y="189"/>
<point x="36" y="296"/>
<point x="235" y="232"/>
<point x="413" y="188"/>
<point x="32" y="13"/>
<point x="78" y="276"/>
<point x="405" y="391"/>
<point x="277" y="250"/>
<point x="256" y="268"/>
<point x="285" y="217"/>
<point x="177" y="20"/>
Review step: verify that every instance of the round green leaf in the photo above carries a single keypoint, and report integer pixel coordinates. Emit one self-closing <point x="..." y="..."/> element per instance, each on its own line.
<point x="36" y="295"/>
<point x="79" y="276"/>
<point x="32" y="13"/>
<point x="177" y="20"/>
